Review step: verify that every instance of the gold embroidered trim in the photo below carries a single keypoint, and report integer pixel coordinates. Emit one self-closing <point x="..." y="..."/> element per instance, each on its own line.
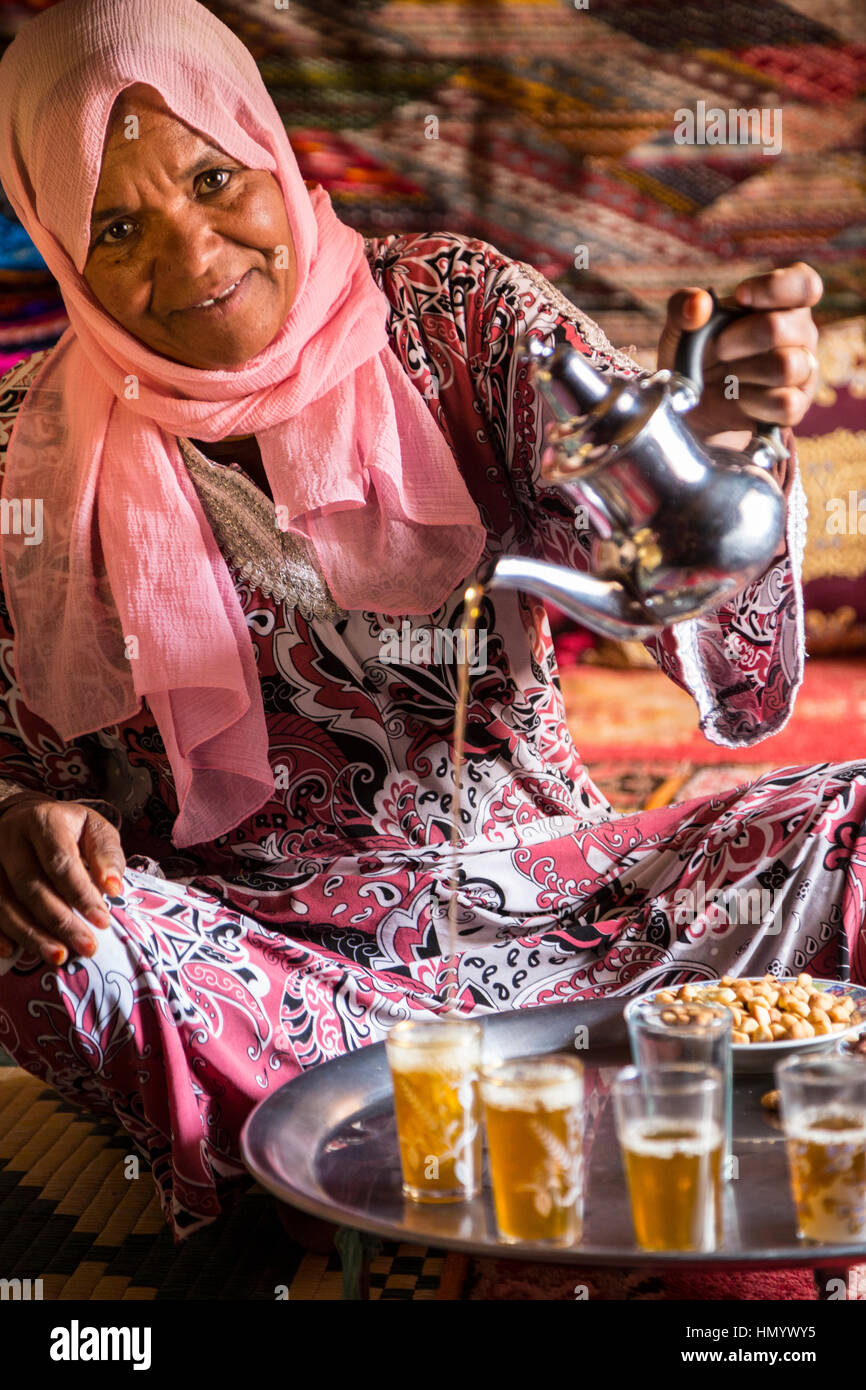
<point x="279" y="563"/>
<point x="589" y="329"/>
<point x="841" y="353"/>
<point x="833" y="466"/>
<point x="835" y="632"/>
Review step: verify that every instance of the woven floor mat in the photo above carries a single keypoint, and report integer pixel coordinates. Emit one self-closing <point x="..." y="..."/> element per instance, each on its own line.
<point x="70" y="1216"/>
<point x="494" y="1280"/>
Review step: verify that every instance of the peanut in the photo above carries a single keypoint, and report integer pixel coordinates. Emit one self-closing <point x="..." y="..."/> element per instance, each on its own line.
<point x="765" y="1010"/>
<point x="798" y="1028"/>
<point x="761" y="1014"/>
<point x="818" y="1016"/>
<point x="842" y="1011"/>
<point x="799" y="1007"/>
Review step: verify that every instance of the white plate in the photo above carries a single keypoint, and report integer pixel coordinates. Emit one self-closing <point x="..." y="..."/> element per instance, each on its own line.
<point x="762" y="1057"/>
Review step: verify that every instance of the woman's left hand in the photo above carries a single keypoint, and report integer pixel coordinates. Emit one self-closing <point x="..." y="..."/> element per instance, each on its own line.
<point x="766" y="359"/>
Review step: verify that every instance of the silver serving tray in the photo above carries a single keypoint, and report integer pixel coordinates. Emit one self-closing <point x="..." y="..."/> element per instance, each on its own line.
<point x="326" y="1143"/>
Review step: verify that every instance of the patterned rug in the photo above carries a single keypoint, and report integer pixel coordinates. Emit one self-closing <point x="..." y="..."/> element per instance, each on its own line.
<point x="75" y="1214"/>
<point x="549" y="128"/>
<point x="640" y="717"/>
<point x="500" y="1280"/>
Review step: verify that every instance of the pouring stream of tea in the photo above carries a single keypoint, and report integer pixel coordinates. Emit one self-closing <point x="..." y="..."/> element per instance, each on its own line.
<point x="471" y="609"/>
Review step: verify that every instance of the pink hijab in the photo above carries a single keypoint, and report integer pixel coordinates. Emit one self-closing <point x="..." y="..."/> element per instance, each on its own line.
<point x="128" y="597"/>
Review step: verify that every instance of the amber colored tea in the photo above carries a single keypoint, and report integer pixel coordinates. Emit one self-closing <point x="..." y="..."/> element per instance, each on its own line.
<point x="827" y="1160"/>
<point x="534" y="1138"/>
<point x="438" y="1120"/>
<point x="471" y="611"/>
<point x="674" y="1172"/>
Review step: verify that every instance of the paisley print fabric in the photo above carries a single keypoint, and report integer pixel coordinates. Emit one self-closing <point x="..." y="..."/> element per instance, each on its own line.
<point x="321" y="920"/>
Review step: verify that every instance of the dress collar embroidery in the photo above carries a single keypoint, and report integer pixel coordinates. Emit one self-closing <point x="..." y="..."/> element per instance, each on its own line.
<point x="279" y="563"/>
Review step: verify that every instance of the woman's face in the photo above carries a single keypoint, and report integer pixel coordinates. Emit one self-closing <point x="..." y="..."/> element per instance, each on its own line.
<point x="175" y="222"/>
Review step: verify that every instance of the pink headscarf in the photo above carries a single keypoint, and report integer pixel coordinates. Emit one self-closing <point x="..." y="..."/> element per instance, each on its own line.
<point x="348" y="445"/>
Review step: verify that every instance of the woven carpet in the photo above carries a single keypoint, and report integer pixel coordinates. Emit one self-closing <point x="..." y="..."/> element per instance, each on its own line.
<point x="499" y="1280"/>
<point x="639" y="715"/>
<point x="70" y="1216"/>
<point x="548" y="129"/>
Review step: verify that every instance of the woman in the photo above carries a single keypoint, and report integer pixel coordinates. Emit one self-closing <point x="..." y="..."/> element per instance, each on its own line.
<point x="263" y="446"/>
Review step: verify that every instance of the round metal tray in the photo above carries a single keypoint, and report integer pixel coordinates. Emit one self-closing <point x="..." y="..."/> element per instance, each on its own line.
<point x="326" y="1142"/>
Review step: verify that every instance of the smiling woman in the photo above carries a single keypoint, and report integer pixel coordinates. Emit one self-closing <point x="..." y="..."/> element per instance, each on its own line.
<point x="190" y="251"/>
<point x="297" y="354"/>
<point x="210" y="752"/>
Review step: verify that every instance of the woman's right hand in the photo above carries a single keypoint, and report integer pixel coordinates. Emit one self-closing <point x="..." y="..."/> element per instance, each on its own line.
<point x="55" y="856"/>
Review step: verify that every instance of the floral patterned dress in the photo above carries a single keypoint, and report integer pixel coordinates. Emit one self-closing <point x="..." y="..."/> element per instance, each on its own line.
<point x="320" y="921"/>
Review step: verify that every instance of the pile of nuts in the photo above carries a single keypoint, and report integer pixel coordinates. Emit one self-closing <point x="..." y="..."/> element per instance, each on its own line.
<point x="767" y="1010"/>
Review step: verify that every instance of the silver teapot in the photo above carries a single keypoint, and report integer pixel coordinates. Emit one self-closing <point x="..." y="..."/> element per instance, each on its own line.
<point x="676" y="527"/>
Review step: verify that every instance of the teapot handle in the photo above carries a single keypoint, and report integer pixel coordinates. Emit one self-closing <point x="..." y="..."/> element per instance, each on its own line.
<point x="690" y="356"/>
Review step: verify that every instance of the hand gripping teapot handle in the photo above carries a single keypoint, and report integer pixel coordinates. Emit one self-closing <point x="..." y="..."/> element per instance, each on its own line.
<point x="690" y="357"/>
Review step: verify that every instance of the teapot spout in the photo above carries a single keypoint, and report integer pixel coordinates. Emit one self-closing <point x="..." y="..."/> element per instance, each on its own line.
<point x="604" y="605"/>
